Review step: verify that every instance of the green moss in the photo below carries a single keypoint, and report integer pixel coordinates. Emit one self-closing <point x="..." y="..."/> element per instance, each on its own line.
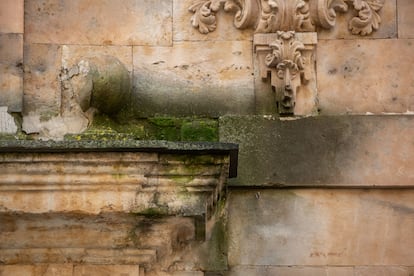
<point x="200" y="130"/>
<point x="46" y="116"/>
<point x="154" y="212"/>
<point x="157" y="128"/>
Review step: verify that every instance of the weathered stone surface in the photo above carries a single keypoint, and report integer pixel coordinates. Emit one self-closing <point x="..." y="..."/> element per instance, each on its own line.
<point x="253" y="270"/>
<point x="42" y="64"/>
<point x="72" y="54"/>
<point x="11" y="71"/>
<point x="309" y="227"/>
<point x="340" y="271"/>
<point x="7" y="124"/>
<point x="140" y="182"/>
<point x="183" y="30"/>
<point x="381" y="270"/>
<point x="35" y="270"/>
<point x="387" y="27"/>
<point x="277" y="270"/>
<point x="360" y="76"/>
<point x="405" y="19"/>
<point x="11" y="16"/>
<point x="322" y="151"/>
<point x="215" y="79"/>
<point x="99" y="270"/>
<point x="97" y="22"/>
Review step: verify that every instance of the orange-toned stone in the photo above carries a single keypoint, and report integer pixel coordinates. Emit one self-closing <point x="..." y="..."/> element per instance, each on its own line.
<point x="360" y="76"/>
<point x="11" y="16"/>
<point x="405" y="18"/>
<point x="99" y="22"/>
<point x="11" y="71"/>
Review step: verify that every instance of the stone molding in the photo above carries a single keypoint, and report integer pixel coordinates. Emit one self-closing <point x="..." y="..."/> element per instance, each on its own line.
<point x="174" y="187"/>
<point x="270" y="16"/>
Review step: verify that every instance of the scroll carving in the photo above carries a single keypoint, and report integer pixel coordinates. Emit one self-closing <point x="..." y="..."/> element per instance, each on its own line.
<point x="270" y="16"/>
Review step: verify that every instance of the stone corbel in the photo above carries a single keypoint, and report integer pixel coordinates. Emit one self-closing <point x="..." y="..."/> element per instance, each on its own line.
<point x="269" y="16"/>
<point x="288" y="59"/>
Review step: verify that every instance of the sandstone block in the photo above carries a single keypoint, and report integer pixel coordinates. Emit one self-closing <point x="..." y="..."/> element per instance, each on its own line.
<point x="183" y="29"/>
<point x="361" y="151"/>
<point x="381" y="270"/>
<point x="356" y="76"/>
<point x="11" y="71"/>
<point x="99" y="270"/>
<point x="194" y="78"/>
<point x="405" y="19"/>
<point x="11" y="16"/>
<point x="97" y="22"/>
<point x="277" y="270"/>
<point x="42" y="93"/>
<point x="339" y="271"/>
<point x="35" y="270"/>
<point x="387" y="27"/>
<point x="72" y="54"/>
<point x="309" y="227"/>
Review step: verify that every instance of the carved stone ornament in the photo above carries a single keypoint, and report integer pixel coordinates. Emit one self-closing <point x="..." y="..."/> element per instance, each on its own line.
<point x="288" y="57"/>
<point x="269" y="16"/>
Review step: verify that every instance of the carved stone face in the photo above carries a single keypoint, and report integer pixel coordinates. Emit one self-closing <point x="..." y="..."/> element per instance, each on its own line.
<point x="288" y="80"/>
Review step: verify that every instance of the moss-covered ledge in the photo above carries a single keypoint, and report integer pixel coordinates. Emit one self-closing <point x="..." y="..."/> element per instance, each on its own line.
<point x="148" y="202"/>
<point x="182" y="166"/>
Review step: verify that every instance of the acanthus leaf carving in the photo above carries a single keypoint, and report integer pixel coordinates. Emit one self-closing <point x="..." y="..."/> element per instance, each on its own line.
<point x="270" y="16"/>
<point x="368" y="18"/>
<point x="204" y="17"/>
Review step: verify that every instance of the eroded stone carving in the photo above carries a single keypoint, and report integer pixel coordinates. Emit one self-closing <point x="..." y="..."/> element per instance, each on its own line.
<point x="290" y="62"/>
<point x="269" y="16"/>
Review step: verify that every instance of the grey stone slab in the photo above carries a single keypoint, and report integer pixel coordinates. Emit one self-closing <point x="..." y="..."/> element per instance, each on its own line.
<point x="352" y="151"/>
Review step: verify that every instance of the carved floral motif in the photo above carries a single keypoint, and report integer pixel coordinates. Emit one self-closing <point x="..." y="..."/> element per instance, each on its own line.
<point x="269" y="16"/>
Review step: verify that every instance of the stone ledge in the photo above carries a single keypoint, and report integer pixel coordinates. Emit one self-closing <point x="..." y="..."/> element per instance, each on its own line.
<point x="323" y="151"/>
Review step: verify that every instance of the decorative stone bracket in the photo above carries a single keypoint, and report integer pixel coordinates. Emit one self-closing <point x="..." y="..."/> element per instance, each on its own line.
<point x="289" y="60"/>
<point x="286" y="55"/>
<point x="269" y="16"/>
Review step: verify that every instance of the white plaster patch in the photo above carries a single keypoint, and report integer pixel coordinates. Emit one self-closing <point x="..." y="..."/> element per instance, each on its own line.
<point x="7" y="124"/>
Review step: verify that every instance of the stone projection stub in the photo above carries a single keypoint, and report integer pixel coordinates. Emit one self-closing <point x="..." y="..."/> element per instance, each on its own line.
<point x="349" y="151"/>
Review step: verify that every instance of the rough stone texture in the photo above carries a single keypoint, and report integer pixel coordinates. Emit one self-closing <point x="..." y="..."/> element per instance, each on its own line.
<point x="194" y="78"/>
<point x="72" y="54"/>
<point x="183" y="30"/>
<point x="98" y="270"/>
<point x="152" y="206"/>
<point x="11" y="16"/>
<point x="319" y="270"/>
<point x="359" y="76"/>
<point x="405" y="19"/>
<point x="7" y="124"/>
<point x="35" y="270"/>
<point x="11" y="71"/>
<point x="323" y="151"/>
<point x="42" y="95"/>
<point x="314" y="227"/>
<point x="387" y="28"/>
<point x="97" y="22"/>
<point x="144" y="183"/>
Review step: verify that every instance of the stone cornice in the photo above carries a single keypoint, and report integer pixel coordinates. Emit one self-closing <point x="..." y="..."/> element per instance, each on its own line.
<point x="270" y="16"/>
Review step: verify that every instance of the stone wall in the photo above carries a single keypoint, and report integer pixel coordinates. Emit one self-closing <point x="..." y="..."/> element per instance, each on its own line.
<point x="327" y="191"/>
